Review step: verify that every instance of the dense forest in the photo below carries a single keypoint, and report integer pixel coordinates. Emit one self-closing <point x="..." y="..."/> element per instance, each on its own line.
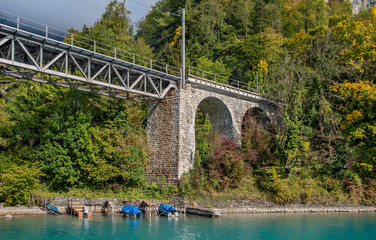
<point x="314" y="56"/>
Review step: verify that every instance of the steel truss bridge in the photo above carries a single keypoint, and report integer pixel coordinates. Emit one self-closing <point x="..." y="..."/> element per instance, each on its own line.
<point x="63" y="59"/>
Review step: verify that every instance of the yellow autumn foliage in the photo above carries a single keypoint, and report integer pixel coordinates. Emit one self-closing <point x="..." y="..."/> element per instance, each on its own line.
<point x="359" y="120"/>
<point x="358" y="91"/>
<point x="354" y="116"/>
<point x="373" y="13"/>
<point x="178" y="33"/>
<point x="262" y="66"/>
<point x="360" y="52"/>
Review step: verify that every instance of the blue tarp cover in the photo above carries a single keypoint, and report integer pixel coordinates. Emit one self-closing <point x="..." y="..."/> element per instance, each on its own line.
<point x="165" y="208"/>
<point x="130" y="209"/>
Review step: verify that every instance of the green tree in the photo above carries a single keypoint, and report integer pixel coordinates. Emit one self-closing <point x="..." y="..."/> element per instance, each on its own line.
<point x="301" y="15"/>
<point x="116" y="18"/>
<point x="203" y="129"/>
<point x="18" y="182"/>
<point x="79" y="139"/>
<point x="217" y="67"/>
<point x="141" y="48"/>
<point x="340" y="7"/>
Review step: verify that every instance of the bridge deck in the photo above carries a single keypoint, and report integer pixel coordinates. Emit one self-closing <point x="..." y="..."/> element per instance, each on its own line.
<point x="232" y="91"/>
<point x="76" y="67"/>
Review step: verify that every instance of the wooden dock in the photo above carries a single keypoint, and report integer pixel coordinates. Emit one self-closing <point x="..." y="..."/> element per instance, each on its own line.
<point x="77" y="209"/>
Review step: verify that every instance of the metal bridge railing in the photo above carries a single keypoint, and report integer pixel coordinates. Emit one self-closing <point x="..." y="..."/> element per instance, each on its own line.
<point x="86" y="43"/>
<point x="99" y="47"/>
<point x="205" y="75"/>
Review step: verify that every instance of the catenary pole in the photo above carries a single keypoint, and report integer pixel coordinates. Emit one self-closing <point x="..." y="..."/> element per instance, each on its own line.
<point x="183" y="48"/>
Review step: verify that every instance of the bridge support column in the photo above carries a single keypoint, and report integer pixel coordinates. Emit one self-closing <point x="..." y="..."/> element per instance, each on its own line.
<point x="162" y="127"/>
<point x="170" y="127"/>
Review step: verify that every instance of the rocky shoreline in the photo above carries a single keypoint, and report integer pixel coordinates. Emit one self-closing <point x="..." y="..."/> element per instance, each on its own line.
<point x="295" y="209"/>
<point x="217" y="212"/>
<point x="215" y="209"/>
<point x="22" y="210"/>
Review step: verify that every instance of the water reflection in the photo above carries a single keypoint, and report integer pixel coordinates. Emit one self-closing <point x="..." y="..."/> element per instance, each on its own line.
<point x="257" y="226"/>
<point x="85" y="226"/>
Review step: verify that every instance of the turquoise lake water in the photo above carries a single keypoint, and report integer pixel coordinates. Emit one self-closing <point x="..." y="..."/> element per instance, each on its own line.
<point x="255" y="226"/>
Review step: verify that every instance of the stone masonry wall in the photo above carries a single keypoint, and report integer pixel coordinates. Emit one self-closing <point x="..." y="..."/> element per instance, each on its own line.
<point x="171" y="129"/>
<point x="163" y="138"/>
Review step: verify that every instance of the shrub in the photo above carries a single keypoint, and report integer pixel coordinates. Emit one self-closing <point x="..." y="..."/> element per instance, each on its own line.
<point x="256" y="141"/>
<point x="226" y="166"/>
<point x="278" y="189"/>
<point x="17" y="182"/>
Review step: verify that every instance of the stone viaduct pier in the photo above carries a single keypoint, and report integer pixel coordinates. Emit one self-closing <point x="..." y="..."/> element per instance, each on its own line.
<point x="171" y="122"/>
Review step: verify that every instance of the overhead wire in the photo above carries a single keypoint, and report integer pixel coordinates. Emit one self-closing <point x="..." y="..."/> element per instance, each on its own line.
<point x="89" y="4"/>
<point x="139" y="3"/>
<point x="137" y="9"/>
<point x="133" y="8"/>
<point x="93" y="6"/>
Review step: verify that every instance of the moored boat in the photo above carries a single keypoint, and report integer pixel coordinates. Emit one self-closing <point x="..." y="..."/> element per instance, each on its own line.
<point x="131" y="211"/>
<point x="53" y="209"/>
<point x="167" y="210"/>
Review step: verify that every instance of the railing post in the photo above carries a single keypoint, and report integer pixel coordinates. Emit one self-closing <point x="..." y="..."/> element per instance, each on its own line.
<point x="46" y="31"/>
<point x="12" y="52"/>
<point x="134" y="58"/>
<point x="202" y="74"/>
<point x="72" y="39"/>
<point x="248" y="87"/>
<point x="166" y="68"/>
<point x="41" y="56"/>
<point x="95" y="46"/>
<point x="115" y="51"/>
<point x="238" y="84"/>
<point x="215" y="77"/>
<point x="151" y="63"/>
<point x="18" y="23"/>
<point x="89" y="68"/>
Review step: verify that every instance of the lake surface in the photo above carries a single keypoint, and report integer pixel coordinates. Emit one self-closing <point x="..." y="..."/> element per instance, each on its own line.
<point x="256" y="226"/>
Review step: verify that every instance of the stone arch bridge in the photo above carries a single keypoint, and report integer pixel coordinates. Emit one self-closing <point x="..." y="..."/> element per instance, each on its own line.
<point x="171" y="122"/>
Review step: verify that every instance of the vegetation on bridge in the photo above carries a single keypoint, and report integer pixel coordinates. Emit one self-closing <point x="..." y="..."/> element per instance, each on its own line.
<point x="315" y="56"/>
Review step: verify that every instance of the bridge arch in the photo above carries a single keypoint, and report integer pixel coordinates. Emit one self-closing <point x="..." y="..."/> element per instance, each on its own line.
<point x="257" y="114"/>
<point x="219" y="115"/>
<point x="255" y="121"/>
